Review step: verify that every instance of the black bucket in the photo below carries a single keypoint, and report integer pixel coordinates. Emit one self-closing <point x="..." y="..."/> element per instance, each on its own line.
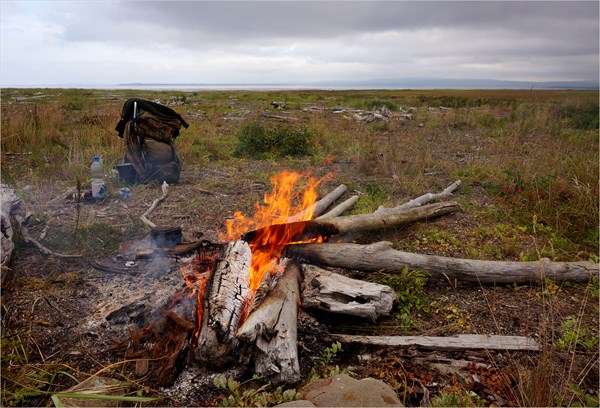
<point x="127" y="173"/>
<point x="165" y="237"/>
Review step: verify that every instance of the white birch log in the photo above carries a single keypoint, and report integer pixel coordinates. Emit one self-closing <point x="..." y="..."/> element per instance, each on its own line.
<point x="332" y="292"/>
<point x="272" y="329"/>
<point x="381" y="257"/>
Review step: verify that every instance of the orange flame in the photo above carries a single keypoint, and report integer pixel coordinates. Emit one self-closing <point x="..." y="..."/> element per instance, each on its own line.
<point x="279" y="208"/>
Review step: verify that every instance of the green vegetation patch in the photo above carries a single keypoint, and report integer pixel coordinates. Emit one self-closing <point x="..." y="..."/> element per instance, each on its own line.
<point x="255" y="140"/>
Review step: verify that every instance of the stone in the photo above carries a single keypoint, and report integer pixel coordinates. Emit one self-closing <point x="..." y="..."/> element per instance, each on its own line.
<point x="299" y="403"/>
<point x="345" y="391"/>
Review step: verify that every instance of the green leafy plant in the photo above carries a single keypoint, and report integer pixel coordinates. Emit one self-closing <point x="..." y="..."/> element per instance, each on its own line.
<point x="264" y="396"/>
<point x="323" y="367"/>
<point x="575" y="335"/>
<point x="409" y="286"/>
<point x="458" y="399"/>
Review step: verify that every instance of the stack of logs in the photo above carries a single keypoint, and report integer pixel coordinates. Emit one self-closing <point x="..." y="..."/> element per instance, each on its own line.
<point x="267" y="336"/>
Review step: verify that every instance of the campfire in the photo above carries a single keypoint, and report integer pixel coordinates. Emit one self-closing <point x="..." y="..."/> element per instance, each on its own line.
<point x="243" y="295"/>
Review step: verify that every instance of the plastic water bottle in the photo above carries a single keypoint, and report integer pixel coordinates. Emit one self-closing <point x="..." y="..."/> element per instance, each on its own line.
<point x="97" y="176"/>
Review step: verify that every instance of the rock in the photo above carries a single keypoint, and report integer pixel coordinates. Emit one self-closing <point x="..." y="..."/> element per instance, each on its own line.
<point x="299" y="403"/>
<point x="345" y="391"/>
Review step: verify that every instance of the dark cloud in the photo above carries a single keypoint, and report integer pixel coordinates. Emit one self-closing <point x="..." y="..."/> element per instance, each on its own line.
<point x="319" y="39"/>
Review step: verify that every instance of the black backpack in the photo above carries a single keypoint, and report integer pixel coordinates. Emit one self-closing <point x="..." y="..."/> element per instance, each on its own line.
<point x="149" y="130"/>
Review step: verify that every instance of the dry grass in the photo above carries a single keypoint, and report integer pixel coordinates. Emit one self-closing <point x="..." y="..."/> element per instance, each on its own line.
<point x="544" y="143"/>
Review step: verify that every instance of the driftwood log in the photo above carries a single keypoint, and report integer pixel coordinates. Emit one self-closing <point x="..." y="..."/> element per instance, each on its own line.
<point x="449" y="343"/>
<point x="271" y="329"/>
<point x="225" y="300"/>
<point x="10" y="205"/>
<point x="335" y="293"/>
<point x="381" y="257"/>
<point x="239" y="325"/>
<point x="353" y="223"/>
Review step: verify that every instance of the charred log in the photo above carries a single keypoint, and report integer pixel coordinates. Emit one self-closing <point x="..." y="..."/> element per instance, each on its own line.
<point x="354" y="223"/>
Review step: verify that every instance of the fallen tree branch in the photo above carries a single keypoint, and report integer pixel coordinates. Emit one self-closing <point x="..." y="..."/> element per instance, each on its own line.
<point x="320" y="206"/>
<point x="381" y="257"/>
<point x="28" y="239"/>
<point x="353" y="223"/>
<point x="339" y="210"/>
<point x="144" y="217"/>
<point x="457" y="342"/>
<point x="425" y="198"/>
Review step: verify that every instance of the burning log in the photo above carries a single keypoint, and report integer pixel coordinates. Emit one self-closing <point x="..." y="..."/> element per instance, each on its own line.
<point x="272" y="329"/>
<point x="381" y="257"/>
<point x="332" y="292"/>
<point x="225" y="302"/>
<point x="356" y="223"/>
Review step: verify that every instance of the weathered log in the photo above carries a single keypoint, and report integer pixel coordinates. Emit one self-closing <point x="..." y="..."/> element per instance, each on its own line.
<point x="332" y="292"/>
<point x="272" y="329"/>
<point x="337" y="211"/>
<point x="424" y="199"/>
<point x="354" y="223"/>
<point x="10" y="204"/>
<point x="320" y="206"/>
<point x="457" y="342"/>
<point x="226" y="299"/>
<point x="381" y="257"/>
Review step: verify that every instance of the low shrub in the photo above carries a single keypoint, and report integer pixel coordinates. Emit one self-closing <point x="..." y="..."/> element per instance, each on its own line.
<point x="256" y="141"/>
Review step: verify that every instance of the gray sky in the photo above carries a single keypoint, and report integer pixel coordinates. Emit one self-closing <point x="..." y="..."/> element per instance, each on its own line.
<point x="67" y="42"/>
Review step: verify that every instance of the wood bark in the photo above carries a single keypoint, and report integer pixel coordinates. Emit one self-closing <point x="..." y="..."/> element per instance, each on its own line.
<point x="226" y="297"/>
<point x="381" y="257"/>
<point x="332" y="292"/>
<point x="272" y="329"/>
<point x="451" y="343"/>
<point x="357" y="223"/>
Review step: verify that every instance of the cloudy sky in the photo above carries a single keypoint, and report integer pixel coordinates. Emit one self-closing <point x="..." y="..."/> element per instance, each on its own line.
<point x="111" y="42"/>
